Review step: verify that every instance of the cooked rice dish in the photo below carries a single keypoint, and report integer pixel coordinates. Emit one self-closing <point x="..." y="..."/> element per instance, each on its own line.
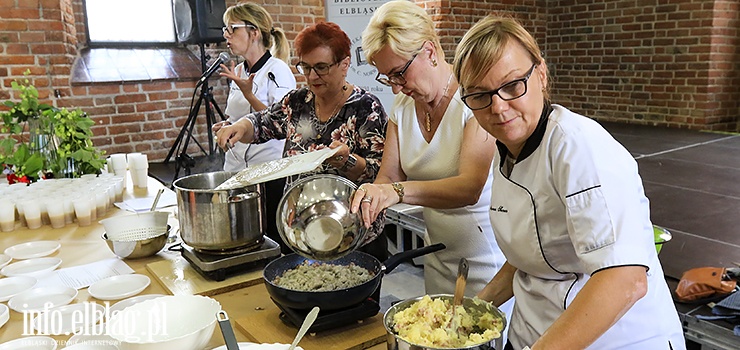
<point x="429" y="323"/>
<point x="323" y="277"/>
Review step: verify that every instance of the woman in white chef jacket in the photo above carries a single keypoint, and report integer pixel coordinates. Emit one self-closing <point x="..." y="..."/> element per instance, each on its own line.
<point x="259" y="81"/>
<point x="567" y="207"/>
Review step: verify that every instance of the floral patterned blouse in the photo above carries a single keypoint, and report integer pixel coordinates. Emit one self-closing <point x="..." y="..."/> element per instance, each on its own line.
<point x="360" y="124"/>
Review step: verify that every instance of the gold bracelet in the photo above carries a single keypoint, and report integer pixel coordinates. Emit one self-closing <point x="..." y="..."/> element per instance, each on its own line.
<point x="398" y="187"/>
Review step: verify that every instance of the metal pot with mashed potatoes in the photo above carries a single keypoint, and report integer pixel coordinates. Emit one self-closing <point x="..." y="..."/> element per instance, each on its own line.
<point x="424" y="323"/>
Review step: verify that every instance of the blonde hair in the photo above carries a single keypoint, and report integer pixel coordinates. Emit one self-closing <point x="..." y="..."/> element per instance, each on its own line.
<point x="401" y="25"/>
<point x="257" y="16"/>
<point x="484" y="44"/>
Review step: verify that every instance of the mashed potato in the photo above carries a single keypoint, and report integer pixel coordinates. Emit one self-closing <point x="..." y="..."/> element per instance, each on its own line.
<point x="429" y="322"/>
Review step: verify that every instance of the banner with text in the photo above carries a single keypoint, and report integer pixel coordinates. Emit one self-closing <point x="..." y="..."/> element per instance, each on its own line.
<point x="353" y="16"/>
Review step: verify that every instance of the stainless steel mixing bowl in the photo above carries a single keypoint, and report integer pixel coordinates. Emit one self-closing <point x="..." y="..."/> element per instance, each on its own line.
<point x="314" y="218"/>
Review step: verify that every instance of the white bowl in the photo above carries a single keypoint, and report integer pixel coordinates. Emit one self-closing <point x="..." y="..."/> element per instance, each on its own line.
<point x="30" y="343"/>
<point x="4" y="315"/>
<point x="183" y="322"/>
<point x="100" y="341"/>
<point x="255" y="346"/>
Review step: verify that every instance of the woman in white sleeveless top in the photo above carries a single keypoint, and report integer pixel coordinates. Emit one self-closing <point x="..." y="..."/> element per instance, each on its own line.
<point x="436" y="155"/>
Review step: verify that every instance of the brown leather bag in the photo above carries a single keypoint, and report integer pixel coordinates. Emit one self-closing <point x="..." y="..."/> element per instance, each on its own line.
<point x="703" y="282"/>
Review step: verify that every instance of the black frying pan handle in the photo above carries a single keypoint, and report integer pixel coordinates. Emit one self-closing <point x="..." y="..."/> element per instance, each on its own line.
<point x="396" y="259"/>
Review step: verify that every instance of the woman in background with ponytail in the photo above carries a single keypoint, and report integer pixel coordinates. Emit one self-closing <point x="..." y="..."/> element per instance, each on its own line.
<point x="263" y="78"/>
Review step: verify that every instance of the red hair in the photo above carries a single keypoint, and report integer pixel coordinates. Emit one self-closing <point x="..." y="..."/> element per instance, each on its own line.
<point x="327" y="34"/>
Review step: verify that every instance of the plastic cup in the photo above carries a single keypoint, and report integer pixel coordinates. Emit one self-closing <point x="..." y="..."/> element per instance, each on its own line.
<point x="55" y="209"/>
<point x="118" y="162"/>
<point x="101" y="201"/>
<point x="90" y="198"/>
<point x="32" y="213"/>
<point x="139" y="177"/>
<point x="7" y="216"/>
<point x="83" y="211"/>
<point x="69" y="209"/>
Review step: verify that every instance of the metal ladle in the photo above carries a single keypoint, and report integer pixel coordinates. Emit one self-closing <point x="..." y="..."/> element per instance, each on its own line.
<point x="307" y="323"/>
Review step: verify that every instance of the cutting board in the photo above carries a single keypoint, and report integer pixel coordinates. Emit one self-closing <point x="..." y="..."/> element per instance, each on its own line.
<point x="179" y="278"/>
<point x="266" y="327"/>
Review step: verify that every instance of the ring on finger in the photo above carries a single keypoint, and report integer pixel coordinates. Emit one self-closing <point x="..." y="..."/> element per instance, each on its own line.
<point x="367" y="199"/>
<point x="339" y="158"/>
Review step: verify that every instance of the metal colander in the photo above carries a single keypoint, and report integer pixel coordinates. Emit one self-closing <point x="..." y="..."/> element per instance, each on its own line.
<point x="136" y="227"/>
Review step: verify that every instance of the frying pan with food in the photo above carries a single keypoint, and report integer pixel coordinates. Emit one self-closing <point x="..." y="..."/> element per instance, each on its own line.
<point x="341" y="298"/>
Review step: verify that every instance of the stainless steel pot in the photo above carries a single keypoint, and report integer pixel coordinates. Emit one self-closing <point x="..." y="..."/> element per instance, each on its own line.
<point x="213" y="220"/>
<point x="474" y="307"/>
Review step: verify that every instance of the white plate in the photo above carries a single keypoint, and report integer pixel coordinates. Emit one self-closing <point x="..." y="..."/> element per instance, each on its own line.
<point x="69" y="319"/>
<point x="102" y="342"/>
<point x="38" y="299"/>
<point x="12" y="286"/>
<point x="119" y="306"/>
<point x="32" y="250"/>
<point x="4" y="260"/>
<point x="32" y="267"/>
<point x="30" y="343"/>
<point x="4" y="315"/>
<point x="255" y="346"/>
<point x="118" y="287"/>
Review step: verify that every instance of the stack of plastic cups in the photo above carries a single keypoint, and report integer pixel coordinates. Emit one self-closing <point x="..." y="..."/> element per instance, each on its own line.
<point x="118" y="163"/>
<point x="139" y="167"/>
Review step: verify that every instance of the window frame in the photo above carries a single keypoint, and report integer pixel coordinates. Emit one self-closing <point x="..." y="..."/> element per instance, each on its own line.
<point x="128" y="44"/>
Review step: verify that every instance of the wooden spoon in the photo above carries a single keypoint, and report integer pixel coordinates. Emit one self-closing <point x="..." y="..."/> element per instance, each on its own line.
<point x="462" y="278"/>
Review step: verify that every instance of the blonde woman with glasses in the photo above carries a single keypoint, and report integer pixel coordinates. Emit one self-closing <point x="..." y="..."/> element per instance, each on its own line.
<point x="328" y="112"/>
<point x="567" y="206"/>
<point x="436" y="155"/>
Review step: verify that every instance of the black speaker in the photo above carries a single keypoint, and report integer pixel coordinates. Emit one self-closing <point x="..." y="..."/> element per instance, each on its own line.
<point x="199" y="21"/>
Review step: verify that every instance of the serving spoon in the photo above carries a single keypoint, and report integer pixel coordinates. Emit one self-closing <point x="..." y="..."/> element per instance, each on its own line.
<point x="307" y="323"/>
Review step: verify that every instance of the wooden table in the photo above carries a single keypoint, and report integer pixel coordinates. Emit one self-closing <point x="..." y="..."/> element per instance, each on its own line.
<point x="83" y="245"/>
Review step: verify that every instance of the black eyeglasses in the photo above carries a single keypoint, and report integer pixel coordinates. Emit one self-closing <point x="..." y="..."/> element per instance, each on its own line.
<point x="395" y="78"/>
<point x="232" y="27"/>
<point x="507" y="92"/>
<point x="320" y="68"/>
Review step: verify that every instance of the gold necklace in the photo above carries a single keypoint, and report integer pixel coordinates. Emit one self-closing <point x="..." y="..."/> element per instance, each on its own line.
<point x="444" y="95"/>
<point x="321" y="128"/>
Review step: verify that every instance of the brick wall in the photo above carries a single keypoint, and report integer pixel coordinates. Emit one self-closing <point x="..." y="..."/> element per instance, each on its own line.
<point x="671" y="62"/>
<point x="660" y="62"/>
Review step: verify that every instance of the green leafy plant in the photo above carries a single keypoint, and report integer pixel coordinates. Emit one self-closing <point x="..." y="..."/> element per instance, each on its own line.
<point x="68" y="150"/>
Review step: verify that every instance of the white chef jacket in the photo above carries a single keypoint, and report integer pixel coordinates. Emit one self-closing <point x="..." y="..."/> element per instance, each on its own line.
<point x="268" y="91"/>
<point x="573" y="205"/>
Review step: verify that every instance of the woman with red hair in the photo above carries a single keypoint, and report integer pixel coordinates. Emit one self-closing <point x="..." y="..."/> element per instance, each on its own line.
<point x="328" y="112"/>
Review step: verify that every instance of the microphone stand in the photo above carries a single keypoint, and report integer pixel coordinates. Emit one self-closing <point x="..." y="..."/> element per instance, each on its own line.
<point x="183" y="160"/>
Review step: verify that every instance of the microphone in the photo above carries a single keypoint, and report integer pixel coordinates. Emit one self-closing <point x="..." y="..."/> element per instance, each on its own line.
<point x="272" y="77"/>
<point x="223" y="57"/>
